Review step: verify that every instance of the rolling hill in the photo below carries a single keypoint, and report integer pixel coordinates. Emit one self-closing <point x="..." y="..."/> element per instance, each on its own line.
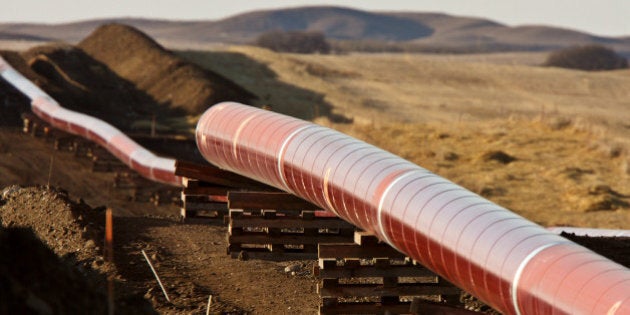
<point x="430" y="29"/>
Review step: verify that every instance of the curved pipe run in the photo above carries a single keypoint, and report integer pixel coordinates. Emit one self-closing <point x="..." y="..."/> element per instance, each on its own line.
<point x="512" y="264"/>
<point x="128" y="151"/>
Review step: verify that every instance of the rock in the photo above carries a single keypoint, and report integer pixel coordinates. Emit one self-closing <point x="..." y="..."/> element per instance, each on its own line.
<point x="450" y="156"/>
<point x="293" y="268"/>
<point x="10" y="190"/>
<point x="90" y="244"/>
<point x="243" y="255"/>
<point x="96" y="264"/>
<point x="498" y="156"/>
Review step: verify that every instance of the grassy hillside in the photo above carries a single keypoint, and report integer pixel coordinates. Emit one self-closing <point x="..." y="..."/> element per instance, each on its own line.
<point x="383" y="88"/>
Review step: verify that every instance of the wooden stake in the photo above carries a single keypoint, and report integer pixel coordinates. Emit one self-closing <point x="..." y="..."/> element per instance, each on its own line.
<point x="209" y="305"/>
<point x="109" y="256"/>
<point x="52" y="159"/>
<point x="156" y="275"/>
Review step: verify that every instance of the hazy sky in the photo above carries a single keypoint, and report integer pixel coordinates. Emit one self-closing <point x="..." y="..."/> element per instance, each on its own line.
<point x="601" y="17"/>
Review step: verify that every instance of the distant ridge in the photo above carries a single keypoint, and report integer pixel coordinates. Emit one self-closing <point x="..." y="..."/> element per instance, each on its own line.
<point x="430" y="29"/>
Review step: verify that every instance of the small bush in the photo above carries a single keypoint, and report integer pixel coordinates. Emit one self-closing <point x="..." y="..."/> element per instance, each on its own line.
<point x="294" y="42"/>
<point x="590" y="58"/>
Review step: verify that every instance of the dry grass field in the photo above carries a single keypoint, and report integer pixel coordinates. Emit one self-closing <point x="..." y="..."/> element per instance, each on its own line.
<point x="568" y="131"/>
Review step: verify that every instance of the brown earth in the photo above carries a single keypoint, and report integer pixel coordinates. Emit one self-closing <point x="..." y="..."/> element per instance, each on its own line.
<point x="168" y="79"/>
<point x="189" y="258"/>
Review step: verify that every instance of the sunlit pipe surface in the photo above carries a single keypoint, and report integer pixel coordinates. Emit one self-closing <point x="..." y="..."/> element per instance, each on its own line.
<point x="512" y="264"/>
<point x="128" y="151"/>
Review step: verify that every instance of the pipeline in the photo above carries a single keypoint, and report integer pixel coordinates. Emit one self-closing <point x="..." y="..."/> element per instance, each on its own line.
<point x="510" y="263"/>
<point x="122" y="147"/>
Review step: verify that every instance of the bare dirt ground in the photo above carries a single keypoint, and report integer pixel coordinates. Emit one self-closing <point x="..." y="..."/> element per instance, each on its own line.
<point x="189" y="257"/>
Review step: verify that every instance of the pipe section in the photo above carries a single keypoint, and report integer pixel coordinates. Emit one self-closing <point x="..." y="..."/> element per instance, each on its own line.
<point x="128" y="151"/>
<point x="510" y="263"/>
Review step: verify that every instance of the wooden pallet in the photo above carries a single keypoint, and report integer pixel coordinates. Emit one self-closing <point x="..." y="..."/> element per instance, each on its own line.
<point x="215" y="176"/>
<point x="201" y="199"/>
<point x="276" y="225"/>
<point x="370" y="277"/>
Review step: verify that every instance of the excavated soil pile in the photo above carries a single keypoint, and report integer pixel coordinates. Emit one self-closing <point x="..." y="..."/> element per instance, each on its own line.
<point x="80" y="83"/>
<point x="35" y="280"/>
<point x="167" y="78"/>
<point x="50" y="256"/>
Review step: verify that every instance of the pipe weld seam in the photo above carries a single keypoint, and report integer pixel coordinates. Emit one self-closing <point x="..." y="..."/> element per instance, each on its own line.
<point x="280" y="157"/>
<point x="379" y="212"/>
<point x="521" y="268"/>
<point x="238" y="134"/>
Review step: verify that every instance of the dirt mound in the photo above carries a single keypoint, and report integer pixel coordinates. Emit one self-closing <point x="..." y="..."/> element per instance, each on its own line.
<point x="164" y="76"/>
<point x="58" y="241"/>
<point x="81" y="83"/>
<point x="38" y="282"/>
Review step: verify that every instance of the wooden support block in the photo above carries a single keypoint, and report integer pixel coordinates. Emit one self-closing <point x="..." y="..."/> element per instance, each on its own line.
<point x="206" y="206"/>
<point x="310" y="248"/>
<point x="308" y="215"/>
<point x="206" y="190"/>
<point x="366" y="308"/>
<point x="190" y="182"/>
<point x="275" y="232"/>
<point x="327" y="264"/>
<point x="365" y="239"/>
<point x="390" y="282"/>
<point x="235" y="214"/>
<point x="354" y="271"/>
<point x="352" y="263"/>
<point x="421" y="306"/>
<point x="351" y="250"/>
<point x="269" y="214"/>
<point x="402" y="289"/>
<point x="212" y="174"/>
<point x="266" y="254"/>
<point x="330" y="283"/>
<point x="284" y="238"/>
<point x="381" y="263"/>
<point x="235" y="231"/>
<point x="390" y="300"/>
<point x="311" y="231"/>
<point x="268" y="200"/>
<point x="293" y="222"/>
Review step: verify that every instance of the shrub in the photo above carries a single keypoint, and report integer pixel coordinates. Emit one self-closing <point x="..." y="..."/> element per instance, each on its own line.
<point x="294" y="42"/>
<point x="590" y="57"/>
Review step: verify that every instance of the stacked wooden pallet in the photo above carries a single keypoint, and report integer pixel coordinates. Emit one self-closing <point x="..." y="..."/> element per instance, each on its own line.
<point x="205" y="189"/>
<point x="277" y="225"/>
<point x="370" y="277"/>
<point x="203" y="200"/>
